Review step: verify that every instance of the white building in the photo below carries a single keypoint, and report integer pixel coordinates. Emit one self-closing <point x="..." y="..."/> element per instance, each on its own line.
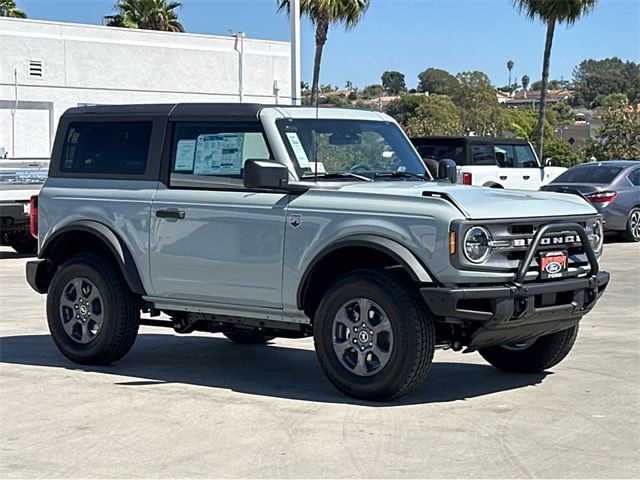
<point x="47" y="67"/>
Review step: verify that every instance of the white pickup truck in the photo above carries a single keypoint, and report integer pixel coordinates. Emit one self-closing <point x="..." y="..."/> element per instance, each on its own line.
<point x="19" y="180"/>
<point x="488" y="162"/>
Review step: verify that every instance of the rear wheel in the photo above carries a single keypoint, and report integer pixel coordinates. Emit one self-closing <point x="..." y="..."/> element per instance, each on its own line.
<point x="373" y="337"/>
<point x="22" y="242"/>
<point x="533" y="356"/>
<point x="250" y="338"/>
<point x="93" y="316"/>
<point x="632" y="233"/>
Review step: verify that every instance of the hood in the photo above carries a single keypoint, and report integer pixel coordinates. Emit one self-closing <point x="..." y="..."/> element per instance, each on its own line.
<point x="484" y="202"/>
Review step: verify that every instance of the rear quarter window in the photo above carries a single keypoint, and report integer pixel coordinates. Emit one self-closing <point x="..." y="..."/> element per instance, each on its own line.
<point x="120" y="148"/>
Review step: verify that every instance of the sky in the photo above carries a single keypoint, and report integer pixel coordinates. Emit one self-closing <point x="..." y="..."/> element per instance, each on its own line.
<point x="407" y="35"/>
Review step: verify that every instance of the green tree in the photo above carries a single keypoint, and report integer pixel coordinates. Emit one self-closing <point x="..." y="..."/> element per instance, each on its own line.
<point x="619" y="136"/>
<point x="436" y="82"/>
<point x="8" y="9"/>
<point x="146" y="15"/>
<point x="372" y="91"/>
<point x="552" y="85"/>
<point x="393" y="82"/>
<point x="595" y="78"/>
<point x="613" y="101"/>
<point x="405" y="107"/>
<point x="551" y="12"/>
<point x="560" y="152"/>
<point x="510" y="67"/>
<point x="476" y="99"/>
<point x="561" y="113"/>
<point x="437" y="115"/>
<point x="322" y="14"/>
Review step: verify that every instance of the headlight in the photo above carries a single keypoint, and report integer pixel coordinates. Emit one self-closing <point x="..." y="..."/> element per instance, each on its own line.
<point x="597" y="236"/>
<point x="476" y="244"/>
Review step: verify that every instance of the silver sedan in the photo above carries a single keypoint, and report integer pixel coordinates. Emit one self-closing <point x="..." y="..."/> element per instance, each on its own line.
<point x="612" y="187"/>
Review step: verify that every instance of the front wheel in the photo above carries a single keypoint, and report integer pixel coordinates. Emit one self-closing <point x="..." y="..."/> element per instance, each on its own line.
<point x="373" y="336"/>
<point x="534" y="356"/>
<point x="93" y="316"/>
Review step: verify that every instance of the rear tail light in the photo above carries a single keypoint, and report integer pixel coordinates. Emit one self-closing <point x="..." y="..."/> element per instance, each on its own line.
<point x="602" y="197"/>
<point x="466" y="178"/>
<point x="33" y="216"/>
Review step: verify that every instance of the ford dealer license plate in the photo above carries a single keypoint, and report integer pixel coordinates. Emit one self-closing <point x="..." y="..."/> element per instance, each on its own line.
<point x="553" y="264"/>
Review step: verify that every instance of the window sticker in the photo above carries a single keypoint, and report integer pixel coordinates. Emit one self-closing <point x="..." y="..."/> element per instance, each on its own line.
<point x="218" y="154"/>
<point x="185" y="154"/>
<point x="298" y="150"/>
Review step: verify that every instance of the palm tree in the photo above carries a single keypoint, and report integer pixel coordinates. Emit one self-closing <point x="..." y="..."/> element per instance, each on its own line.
<point x="525" y="84"/>
<point x="323" y="13"/>
<point x="551" y="12"/>
<point x="146" y="15"/>
<point x="510" y="67"/>
<point x="8" y="9"/>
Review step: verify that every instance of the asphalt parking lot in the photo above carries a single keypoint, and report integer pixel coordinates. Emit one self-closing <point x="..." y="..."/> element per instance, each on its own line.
<point x="201" y="406"/>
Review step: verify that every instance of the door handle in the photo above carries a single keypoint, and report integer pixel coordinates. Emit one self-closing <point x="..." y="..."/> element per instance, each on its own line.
<point x="170" y="213"/>
<point x="503" y="178"/>
<point x="526" y="177"/>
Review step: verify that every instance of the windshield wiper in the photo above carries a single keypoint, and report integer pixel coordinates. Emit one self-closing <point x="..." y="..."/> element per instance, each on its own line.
<point x="339" y="175"/>
<point x="400" y="175"/>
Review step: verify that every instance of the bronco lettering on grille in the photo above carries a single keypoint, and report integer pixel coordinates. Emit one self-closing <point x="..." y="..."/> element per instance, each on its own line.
<point x="554" y="240"/>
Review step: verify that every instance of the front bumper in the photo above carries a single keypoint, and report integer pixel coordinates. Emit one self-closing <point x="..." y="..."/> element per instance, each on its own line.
<point x="510" y="313"/>
<point x="520" y="311"/>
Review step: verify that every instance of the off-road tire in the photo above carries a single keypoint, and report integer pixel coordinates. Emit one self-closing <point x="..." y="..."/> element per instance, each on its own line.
<point x="121" y="314"/>
<point x="545" y="352"/>
<point x="413" y="335"/>
<point x="22" y="242"/>
<point x="248" y="338"/>
<point x="632" y="233"/>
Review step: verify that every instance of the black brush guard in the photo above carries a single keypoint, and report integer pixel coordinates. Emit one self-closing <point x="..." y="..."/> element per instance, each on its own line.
<point x="519" y="311"/>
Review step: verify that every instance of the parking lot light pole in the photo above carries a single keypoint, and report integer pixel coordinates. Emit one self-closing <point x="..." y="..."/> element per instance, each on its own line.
<point x="294" y="16"/>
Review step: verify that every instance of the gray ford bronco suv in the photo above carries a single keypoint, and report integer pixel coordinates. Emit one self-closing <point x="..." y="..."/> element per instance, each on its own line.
<point x="276" y="221"/>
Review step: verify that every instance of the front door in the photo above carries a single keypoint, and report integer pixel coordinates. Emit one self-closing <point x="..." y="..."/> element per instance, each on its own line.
<point x="212" y="240"/>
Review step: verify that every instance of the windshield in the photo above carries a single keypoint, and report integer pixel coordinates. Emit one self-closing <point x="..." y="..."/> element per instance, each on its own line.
<point x="600" y="173"/>
<point x="367" y="149"/>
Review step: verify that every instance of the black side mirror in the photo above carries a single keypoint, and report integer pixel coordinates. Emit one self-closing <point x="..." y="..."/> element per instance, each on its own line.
<point x="265" y="174"/>
<point x="447" y="170"/>
<point x="548" y="162"/>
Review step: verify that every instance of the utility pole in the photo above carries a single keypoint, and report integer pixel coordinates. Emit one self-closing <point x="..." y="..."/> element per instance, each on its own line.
<point x="294" y="16"/>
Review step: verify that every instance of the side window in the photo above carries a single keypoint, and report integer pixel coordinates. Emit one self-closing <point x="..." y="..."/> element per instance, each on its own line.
<point x="118" y="148"/>
<point x="505" y="156"/>
<point x="525" y="157"/>
<point x="634" y="177"/>
<point x="482" y="155"/>
<point x="212" y="155"/>
<point x="440" y="152"/>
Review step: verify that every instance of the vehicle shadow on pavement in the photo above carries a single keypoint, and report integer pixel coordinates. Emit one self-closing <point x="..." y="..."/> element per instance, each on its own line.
<point x="268" y="370"/>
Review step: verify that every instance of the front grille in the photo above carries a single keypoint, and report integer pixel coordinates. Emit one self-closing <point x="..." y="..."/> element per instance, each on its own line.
<point x="513" y="237"/>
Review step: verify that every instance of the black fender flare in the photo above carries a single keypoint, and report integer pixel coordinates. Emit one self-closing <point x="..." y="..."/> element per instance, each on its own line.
<point x="395" y="250"/>
<point x="109" y="238"/>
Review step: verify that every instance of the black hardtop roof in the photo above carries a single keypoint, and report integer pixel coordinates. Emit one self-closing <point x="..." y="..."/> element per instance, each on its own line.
<point x="234" y="111"/>
<point x="468" y="139"/>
